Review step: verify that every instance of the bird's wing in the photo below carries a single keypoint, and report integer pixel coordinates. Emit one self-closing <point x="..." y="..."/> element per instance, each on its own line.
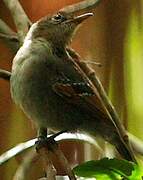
<point x="79" y="92"/>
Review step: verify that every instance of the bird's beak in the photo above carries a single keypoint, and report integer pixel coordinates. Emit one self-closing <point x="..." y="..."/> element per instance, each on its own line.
<point x="82" y="17"/>
<point x="79" y="19"/>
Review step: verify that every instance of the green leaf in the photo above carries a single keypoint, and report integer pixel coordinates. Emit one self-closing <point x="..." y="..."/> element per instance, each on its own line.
<point x="106" y="169"/>
<point x="137" y="173"/>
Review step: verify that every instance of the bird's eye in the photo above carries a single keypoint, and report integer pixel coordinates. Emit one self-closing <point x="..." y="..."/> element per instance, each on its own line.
<point x="58" y="18"/>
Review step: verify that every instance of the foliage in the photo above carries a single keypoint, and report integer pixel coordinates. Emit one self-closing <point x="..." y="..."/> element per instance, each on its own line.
<point x="109" y="169"/>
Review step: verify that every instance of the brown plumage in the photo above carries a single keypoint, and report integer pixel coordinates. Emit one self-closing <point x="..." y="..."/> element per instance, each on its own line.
<point x="51" y="88"/>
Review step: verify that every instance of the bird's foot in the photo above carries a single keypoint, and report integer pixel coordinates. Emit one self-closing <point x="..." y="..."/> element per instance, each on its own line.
<point x="47" y="142"/>
<point x="44" y="142"/>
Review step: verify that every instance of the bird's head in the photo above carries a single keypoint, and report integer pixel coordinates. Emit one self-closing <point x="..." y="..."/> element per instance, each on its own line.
<point x="59" y="28"/>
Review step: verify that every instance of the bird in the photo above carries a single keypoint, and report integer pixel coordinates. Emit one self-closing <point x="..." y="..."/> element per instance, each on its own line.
<point x="51" y="88"/>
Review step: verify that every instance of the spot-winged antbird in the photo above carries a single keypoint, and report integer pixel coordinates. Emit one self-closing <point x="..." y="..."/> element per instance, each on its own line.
<point x="51" y="87"/>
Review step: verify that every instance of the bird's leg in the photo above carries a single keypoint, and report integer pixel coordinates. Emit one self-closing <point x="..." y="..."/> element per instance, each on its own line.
<point x="45" y="146"/>
<point x="46" y="142"/>
<point x="42" y="148"/>
<point x="42" y="139"/>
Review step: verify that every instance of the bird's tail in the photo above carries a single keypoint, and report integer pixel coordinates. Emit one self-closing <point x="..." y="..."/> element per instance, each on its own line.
<point x="125" y="150"/>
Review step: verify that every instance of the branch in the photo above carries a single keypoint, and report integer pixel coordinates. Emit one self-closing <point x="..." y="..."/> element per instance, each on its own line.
<point x="20" y="18"/>
<point x="64" y="163"/>
<point x="9" y="36"/>
<point x="46" y="150"/>
<point x="5" y="74"/>
<point x="12" y="41"/>
<point x="23" y="23"/>
<point x="84" y="5"/>
<point x="62" y="137"/>
<point x="48" y="164"/>
<point x="29" y="160"/>
<point x="49" y="167"/>
<point x="4" y="28"/>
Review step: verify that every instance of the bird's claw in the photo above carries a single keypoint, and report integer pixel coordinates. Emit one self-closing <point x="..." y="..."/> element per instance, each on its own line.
<point x="47" y="142"/>
<point x="44" y="142"/>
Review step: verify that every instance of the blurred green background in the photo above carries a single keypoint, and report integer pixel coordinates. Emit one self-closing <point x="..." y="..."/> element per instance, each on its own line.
<point x="113" y="37"/>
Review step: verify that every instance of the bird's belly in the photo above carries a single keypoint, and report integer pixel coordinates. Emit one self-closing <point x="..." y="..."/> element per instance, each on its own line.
<point x="41" y="104"/>
<point x="52" y="112"/>
<point x="32" y="89"/>
<point x="47" y="109"/>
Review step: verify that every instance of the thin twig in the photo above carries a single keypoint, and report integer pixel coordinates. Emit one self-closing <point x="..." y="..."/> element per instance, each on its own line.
<point x="64" y="163"/>
<point x="20" y="18"/>
<point x="11" y="40"/>
<point x="9" y="36"/>
<point x="48" y="165"/>
<point x="4" y="28"/>
<point x="5" y="74"/>
<point x="84" y="5"/>
<point x="12" y="37"/>
<point x="63" y="137"/>
<point x="49" y="148"/>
